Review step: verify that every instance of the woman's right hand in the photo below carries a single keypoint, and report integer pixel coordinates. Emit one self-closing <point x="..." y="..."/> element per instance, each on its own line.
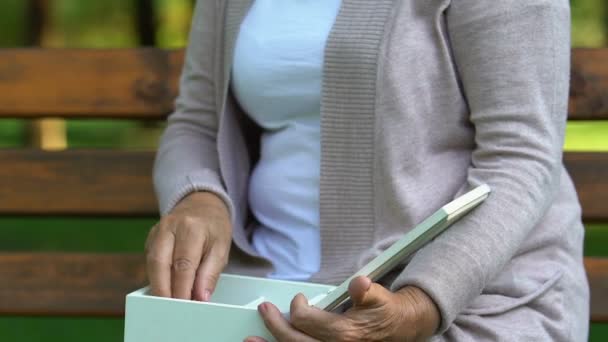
<point x="188" y="249"/>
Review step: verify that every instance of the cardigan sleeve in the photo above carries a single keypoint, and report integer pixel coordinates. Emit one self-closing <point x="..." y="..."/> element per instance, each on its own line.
<point x="187" y="159"/>
<point x="513" y="61"/>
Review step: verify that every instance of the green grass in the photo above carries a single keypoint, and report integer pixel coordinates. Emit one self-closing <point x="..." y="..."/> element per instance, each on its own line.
<point x="12" y="133"/>
<point x="596" y="240"/>
<point x="598" y="332"/>
<point x="104" y="235"/>
<point x="52" y="234"/>
<point x="61" y="329"/>
<point x="103" y="134"/>
<point x="125" y="134"/>
<point x="587" y="136"/>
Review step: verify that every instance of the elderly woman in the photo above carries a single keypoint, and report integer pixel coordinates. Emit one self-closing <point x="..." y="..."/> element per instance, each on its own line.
<point x="313" y="134"/>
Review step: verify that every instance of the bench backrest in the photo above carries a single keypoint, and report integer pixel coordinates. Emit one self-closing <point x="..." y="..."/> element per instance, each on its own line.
<point x="142" y="84"/>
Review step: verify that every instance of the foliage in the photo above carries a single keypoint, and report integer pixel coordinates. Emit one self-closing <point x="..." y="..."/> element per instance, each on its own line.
<point x="11" y="16"/>
<point x="95" y="24"/>
<point x="589" y="23"/>
<point x="108" y="23"/>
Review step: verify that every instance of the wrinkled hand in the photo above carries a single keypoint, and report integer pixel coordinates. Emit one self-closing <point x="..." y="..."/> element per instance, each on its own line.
<point x="188" y="249"/>
<point x="377" y="315"/>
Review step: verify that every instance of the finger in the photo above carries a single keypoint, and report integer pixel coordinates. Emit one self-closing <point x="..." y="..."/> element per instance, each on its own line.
<point x="189" y="241"/>
<point x="364" y="292"/>
<point x="358" y="288"/>
<point x="320" y="324"/>
<point x="158" y="262"/>
<point x="254" y="339"/>
<point x="279" y="327"/>
<point x="151" y="237"/>
<point x="209" y="272"/>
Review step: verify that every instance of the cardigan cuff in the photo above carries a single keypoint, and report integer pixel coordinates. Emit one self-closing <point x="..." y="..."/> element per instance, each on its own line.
<point x="200" y="180"/>
<point x="444" y="281"/>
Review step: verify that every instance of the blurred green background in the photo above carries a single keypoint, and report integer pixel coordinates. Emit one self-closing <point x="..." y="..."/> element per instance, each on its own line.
<point x="113" y="23"/>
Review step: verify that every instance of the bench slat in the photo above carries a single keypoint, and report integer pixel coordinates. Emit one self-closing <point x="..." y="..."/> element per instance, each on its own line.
<point x="142" y="83"/>
<point x="597" y="273"/>
<point x="589" y="85"/>
<point x="98" y="182"/>
<point x="68" y="284"/>
<point x="78" y="182"/>
<point x="120" y="83"/>
<point x="589" y="172"/>
<point x="96" y="284"/>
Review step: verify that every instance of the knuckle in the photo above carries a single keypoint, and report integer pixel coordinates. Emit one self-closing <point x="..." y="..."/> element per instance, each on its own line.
<point x="189" y="221"/>
<point x="192" y="230"/>
<point x="298" y="317"/>
<point x="165" y="222"/>
<point x="183" y="265"/>
<point x="154" y="259"/>
<point x="212" y="278"/>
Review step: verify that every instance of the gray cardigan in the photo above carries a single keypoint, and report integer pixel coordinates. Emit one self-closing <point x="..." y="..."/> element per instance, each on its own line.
<point x="421" y="101"/>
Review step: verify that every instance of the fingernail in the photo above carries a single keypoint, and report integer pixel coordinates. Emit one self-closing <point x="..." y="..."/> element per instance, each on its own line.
<point x="263" y="308"/>
<point x="206" y="295"/>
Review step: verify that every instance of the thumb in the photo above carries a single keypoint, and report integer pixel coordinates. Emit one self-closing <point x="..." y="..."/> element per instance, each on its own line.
<point x="364" y="292"/>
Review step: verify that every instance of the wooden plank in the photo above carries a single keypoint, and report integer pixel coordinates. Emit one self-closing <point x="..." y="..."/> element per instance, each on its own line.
<point x="589" y="84"/>
<point x="77" y="182"/>
<point x="102" y="182"/>
<point x="597" y="273"/>
<point x="96" y="284"/>
<point x="142" y="83"/>
<point x="589" y="172"/>
<point x="120" y="83"/>
<point x="68" y="284"/>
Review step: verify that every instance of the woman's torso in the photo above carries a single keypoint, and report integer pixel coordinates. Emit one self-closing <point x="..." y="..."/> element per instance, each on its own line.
<point x="396" y="137"/>
<point x="276" y="78"/>
<point x="397" y="142"/>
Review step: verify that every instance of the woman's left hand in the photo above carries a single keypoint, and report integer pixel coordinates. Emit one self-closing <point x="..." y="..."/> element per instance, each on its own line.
<point x="377" y="315"/>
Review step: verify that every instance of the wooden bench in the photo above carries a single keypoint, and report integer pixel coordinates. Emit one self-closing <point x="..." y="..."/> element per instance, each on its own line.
<point x="142" y="84"/>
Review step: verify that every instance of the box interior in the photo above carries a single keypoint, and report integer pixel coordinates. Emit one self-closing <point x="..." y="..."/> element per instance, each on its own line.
<point x="249" y="292"/>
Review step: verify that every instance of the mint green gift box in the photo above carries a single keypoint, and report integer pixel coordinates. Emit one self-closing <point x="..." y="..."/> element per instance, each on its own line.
<point x="231" y="314"/>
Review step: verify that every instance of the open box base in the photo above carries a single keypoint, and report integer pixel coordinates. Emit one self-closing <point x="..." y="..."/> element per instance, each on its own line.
<point x="231" y="314"/>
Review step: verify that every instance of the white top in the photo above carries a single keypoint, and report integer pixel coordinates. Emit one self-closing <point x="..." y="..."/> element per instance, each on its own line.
<point x="276" y="78"/>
